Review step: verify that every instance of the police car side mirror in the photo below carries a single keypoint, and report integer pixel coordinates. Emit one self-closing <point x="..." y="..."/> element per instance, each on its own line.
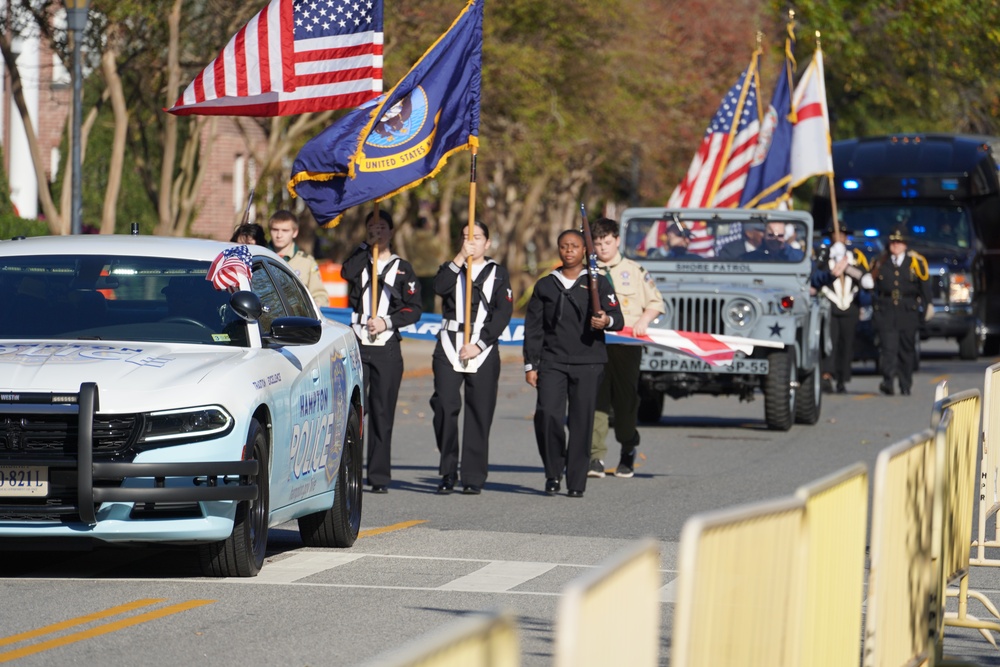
<point x="247" y="305"/>
<point x="293" y="330"/>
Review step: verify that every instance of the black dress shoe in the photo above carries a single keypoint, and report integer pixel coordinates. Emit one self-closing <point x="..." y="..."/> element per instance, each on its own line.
<point x="827" y="385"/>
<point x="380" y="488"/>
<point x="447" y="484"/>
<point x="471" y="490"/>
<point x="886" y="389"/>
<point x="841" y="389"/>
<point x="572" y="493"/>
<point x="905" y="391"/>
<point x="552" y="487"/>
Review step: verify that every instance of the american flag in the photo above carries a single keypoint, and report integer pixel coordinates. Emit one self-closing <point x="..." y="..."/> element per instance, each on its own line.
<point x="293" y="57"/>
<point x="715" y="350"/>
<point x="232" y="269"/>
<point x="719" y="169"/>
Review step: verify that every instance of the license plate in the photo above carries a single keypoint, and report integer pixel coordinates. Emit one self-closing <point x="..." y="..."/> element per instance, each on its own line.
<point x="24" y="481"/>
<point x="687" y="365"/>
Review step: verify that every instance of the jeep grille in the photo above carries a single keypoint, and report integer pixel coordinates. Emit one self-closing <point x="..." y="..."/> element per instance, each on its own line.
<point x="698" y="314"/>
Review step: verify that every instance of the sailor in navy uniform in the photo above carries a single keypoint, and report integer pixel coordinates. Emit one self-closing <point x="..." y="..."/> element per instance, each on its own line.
<point x="902" y="297"/>
<point x="399" y="305"/>
<point x="564" y="359"/>
<point x="475" y="364"/>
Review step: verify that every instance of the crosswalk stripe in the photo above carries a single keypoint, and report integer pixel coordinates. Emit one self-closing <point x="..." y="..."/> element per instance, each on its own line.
<point x="498" y="576"/>
<point x="301" y="565"/>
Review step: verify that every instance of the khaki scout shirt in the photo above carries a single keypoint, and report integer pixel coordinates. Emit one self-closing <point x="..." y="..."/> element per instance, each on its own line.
<point x="305" y="267"/>
<point x="635" y="288"/>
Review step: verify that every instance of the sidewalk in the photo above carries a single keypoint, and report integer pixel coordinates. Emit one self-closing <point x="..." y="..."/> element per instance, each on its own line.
<point x="417" y="356"/>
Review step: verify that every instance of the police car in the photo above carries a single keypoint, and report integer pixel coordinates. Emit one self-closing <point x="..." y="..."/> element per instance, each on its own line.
<point x="176" y="391"/>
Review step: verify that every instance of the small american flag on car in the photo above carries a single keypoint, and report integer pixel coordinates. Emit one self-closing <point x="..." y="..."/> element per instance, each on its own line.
<point x="232" y="269"/>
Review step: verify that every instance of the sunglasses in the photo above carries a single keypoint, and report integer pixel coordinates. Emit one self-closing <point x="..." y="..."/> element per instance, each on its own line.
<point x="775" y="236"/>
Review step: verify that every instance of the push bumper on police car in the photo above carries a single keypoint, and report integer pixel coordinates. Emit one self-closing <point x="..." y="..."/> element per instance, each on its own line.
<point x="64" y="470"/>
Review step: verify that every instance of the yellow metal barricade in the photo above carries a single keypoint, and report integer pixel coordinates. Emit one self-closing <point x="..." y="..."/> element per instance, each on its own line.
<point x="901" y="592"/>
<point x="956" y="419"/>
<point x="837" y="517"/>
<point x="989" y="469"/>
<point x="741" y="587"/>
<point x="620" y="598"/>
<point x="481" y="640"/>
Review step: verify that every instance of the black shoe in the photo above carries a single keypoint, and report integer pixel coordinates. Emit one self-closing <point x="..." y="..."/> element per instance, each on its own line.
<point x="827" y="385"/>
<point x="380" y="488"/>
<point x="886" y="388"/>
<point x="552" y="487"/>
<point x="447" y="484"/>
<point x="905" y="391"/>
<point x="841" y="389"/>
<point x="574" y="494"/>
<point x="471" y="490"/>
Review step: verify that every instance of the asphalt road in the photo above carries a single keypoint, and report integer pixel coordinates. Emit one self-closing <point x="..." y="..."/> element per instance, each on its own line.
<point x="424" y="560"/>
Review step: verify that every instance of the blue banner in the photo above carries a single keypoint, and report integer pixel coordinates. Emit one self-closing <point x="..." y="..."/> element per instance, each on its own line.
<point x="429" y="326"/>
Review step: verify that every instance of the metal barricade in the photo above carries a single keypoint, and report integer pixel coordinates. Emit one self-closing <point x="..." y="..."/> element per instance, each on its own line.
<point x="989" y="469"/>
<point x="481" y="640"/>
<point x="900" y="609"/>
<point x="837" y="517"/>
<point x="620" y="598"/>
<point x="741" y="587"/>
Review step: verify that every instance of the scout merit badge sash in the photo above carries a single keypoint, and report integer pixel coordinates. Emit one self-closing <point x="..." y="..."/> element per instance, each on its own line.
<point x="359" y="320"/>
<point x="453" y="331"/>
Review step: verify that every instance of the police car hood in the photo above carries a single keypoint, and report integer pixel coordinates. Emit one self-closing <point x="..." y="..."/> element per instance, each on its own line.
<point x="123" y="372"/>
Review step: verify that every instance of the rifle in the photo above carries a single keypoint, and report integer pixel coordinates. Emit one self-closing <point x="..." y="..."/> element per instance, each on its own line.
<point x="588" y="240"/>
<point x="246" y="213"/>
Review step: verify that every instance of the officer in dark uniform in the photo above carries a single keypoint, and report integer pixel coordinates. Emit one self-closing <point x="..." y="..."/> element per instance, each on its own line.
<point x="475" y="364"/>
<point x="902" y="297"/>
<point x="564" y="359"/>
<point x="377" y="329"/>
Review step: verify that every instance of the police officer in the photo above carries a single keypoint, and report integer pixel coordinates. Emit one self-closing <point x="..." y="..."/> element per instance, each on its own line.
<point x="902" y="297"/>
<point x="564" y="357"/>
<point x="378" y="332"/>
<point x="641" y="302"/>
<point x="475" y="364"/>
<point x="842" y="293"/>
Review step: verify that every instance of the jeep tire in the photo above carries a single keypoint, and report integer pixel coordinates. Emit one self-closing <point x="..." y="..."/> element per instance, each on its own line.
<point x="779" y="394"/>
<point x="809" y="397"/>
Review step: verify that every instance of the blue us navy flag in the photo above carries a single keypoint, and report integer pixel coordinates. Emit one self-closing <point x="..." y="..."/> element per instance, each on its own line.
<point x="404" y="136"/>
<point x="769" y="182"/>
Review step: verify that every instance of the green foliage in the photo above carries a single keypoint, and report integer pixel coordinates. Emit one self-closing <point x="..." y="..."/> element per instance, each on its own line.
<point x="913" y="66"/>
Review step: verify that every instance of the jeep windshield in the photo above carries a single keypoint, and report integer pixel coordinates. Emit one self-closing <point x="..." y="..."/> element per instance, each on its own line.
<point x="715" y="241"/>
<point x="940" y="225"/>
<point x="93" y="297"/>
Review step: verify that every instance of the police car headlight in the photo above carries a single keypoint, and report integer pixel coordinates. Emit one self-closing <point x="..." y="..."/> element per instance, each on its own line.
<point x="740" y="314"/>
<point x="184" y="424"/>
<point x="959" y="288"/>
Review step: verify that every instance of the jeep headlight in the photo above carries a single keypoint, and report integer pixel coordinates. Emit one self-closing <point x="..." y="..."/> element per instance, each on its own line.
<point x="740" y="314"/>
<point x="663" y="321"/>
<point x="185" y="423"/>
<point x="959" y="288"/>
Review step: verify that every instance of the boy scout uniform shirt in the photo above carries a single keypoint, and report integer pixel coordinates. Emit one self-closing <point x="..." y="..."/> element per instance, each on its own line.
<point x="634" y="286"/>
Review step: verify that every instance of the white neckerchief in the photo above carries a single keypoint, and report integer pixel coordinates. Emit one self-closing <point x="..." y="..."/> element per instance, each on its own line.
<point x="390" y="273"/>
<point x="842" y="292"/>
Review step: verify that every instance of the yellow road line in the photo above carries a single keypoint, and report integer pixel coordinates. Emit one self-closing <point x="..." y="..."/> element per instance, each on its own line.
<point x="389" y="529"/>
<point x="102" y="629"/>
<point x="80" y="620"/>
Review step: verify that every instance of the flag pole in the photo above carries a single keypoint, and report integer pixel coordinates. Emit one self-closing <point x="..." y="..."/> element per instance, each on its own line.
<point x="469" y="233"/>
<point x="374" y="280"/>
<point x="829" y="175"/>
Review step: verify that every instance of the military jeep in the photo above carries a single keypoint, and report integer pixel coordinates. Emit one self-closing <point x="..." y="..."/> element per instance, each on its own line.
<point x="732" y="272"/>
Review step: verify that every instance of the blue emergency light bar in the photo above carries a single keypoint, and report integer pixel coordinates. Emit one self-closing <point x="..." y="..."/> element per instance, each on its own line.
<point x="851" y="184"/>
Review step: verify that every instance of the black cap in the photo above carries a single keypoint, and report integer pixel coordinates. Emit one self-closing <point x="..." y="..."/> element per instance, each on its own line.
<point x="678" y="229"/>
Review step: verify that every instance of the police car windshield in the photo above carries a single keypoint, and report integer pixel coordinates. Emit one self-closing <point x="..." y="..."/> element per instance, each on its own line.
<point x="948" y="225"/>
<point x="90" y="297"/>
<point x="716" y="241"/>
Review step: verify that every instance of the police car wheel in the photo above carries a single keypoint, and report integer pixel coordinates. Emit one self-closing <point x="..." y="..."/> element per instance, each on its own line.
<point x="242" y="553"/>
<point x="338" y="526"/>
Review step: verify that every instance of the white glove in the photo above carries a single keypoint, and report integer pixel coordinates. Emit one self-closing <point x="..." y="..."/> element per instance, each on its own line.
<point x="928" y="312"/>
<point x="837" y="250"/>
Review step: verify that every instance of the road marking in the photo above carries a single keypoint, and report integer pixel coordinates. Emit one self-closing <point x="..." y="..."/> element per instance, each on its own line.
<point x="300" y="566"/>
<point x="388" y="529"/>
<point x="79" y="620"/>
<point x="498" y="576"/>
<point x="101" y="629"/>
